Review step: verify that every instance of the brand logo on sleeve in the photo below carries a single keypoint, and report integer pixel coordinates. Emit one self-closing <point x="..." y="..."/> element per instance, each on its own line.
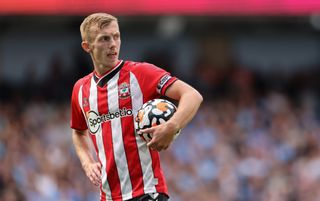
<point x="162" y="82"/>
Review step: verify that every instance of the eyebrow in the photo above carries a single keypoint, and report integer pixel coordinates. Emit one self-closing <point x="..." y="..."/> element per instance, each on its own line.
<point x="109" y="34"/>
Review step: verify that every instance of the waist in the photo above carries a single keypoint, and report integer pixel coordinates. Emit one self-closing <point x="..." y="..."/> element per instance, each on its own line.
<point x="151" y="196"/>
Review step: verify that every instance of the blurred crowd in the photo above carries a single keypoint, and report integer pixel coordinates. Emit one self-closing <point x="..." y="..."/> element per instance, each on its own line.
<point x="235" y="150"/>
<point x="255" y="138"/>
<point x="243" y="145"/>
<point x="38" y="161"/>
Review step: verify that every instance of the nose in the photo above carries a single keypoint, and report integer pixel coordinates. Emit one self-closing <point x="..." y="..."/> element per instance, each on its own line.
<point x="112" y="43"/>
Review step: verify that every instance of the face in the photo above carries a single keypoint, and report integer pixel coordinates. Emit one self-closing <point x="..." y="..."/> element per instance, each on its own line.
<point x="105" y="46"/>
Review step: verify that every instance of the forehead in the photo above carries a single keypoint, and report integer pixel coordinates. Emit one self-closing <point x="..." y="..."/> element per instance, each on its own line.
<point x="109" y="29"/>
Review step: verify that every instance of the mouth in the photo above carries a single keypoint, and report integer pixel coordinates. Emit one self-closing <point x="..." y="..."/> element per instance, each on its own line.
<point x="113" y="54"/>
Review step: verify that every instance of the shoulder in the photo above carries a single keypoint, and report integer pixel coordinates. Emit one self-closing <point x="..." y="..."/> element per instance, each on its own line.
<point x="80" y="82"/>
<point x="140" y="67"/>
<point x="133" y="65"/>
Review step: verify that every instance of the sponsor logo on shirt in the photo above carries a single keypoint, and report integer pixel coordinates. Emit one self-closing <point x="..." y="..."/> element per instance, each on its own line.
<point x="95" y="120"/>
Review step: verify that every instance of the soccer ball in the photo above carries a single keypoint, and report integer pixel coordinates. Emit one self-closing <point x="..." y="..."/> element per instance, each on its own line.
<point x="152" y="113"/>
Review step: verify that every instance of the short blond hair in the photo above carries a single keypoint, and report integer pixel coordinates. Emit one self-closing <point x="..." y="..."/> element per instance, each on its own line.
<point x="96" y="19"/>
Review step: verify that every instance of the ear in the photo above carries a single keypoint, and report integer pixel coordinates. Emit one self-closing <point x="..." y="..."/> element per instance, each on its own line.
<point x="86" y="47"/>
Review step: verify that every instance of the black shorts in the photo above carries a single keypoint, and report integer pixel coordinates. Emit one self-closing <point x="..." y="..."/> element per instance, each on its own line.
<point x="151" y="197"/>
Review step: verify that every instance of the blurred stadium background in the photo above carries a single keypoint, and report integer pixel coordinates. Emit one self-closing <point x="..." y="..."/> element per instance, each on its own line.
<point x="256" y="62"/>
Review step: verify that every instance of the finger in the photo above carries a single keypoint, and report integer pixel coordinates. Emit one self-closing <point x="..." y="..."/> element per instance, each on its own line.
<point x="146" y="130"/>
<point x="152" y="143"/>
<point x="159" y="148"/>
<point x="99" y="165"/>
<point x="97" y="170"/>
<point x="95" y="180"/>
<point x="95" y="183"/>
<point x="97" y="174"/>
<point x="94" y="175"/>
<point x="92" y="180"/>
<point x="156" y="146"/>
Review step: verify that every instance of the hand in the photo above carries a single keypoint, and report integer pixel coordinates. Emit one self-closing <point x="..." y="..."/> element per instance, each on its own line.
<point x="93" y="172"/>
<point x="162" y="135"/>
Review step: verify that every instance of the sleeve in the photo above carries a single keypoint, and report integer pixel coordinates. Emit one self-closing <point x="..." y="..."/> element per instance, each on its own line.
<point x="153" y="80"/>
<point x="77" y="121"/>
<point x="164" y="82"/>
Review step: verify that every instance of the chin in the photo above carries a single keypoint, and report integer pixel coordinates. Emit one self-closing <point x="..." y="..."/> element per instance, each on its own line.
<point x="115" y="62"/>
<point x="111" y="64"/>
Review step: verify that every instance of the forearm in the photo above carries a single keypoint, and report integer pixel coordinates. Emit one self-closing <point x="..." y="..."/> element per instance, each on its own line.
<point x="189" y="104"/>
<point x="81" y="143"/>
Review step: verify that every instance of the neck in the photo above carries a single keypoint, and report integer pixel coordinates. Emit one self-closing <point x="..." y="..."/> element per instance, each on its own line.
<point x="102" y="70"/>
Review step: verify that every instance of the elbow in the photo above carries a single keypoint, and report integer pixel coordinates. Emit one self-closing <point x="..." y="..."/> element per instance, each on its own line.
<point x="198" y="97"/>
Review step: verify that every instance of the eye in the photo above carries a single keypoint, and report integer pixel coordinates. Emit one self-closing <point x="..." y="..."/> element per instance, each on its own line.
<point x="116" y="36"/>
<point x="105" y="38"/>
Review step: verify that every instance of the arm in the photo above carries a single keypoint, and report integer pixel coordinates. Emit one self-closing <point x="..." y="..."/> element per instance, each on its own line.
<point x="189" y="103"/>
<point x="90" y="166"/>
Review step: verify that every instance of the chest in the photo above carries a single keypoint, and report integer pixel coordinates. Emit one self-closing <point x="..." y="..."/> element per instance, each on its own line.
<point x="110" y="98"/>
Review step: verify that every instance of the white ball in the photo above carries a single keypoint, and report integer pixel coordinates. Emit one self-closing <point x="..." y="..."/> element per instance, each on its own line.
<point x="152" y="113"/>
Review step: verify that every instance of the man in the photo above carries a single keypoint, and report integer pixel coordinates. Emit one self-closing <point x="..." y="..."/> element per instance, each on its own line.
<point x="126" y="167"/>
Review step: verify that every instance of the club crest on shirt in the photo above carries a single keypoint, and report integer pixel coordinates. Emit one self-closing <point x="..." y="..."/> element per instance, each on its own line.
<point x="124" y="90"/>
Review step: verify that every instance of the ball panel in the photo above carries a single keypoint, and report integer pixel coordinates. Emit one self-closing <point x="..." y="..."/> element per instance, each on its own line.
<point x="152" y="113"/>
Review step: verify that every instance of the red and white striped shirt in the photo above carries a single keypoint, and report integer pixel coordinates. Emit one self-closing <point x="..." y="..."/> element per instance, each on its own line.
<point x="106" y="106"/>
